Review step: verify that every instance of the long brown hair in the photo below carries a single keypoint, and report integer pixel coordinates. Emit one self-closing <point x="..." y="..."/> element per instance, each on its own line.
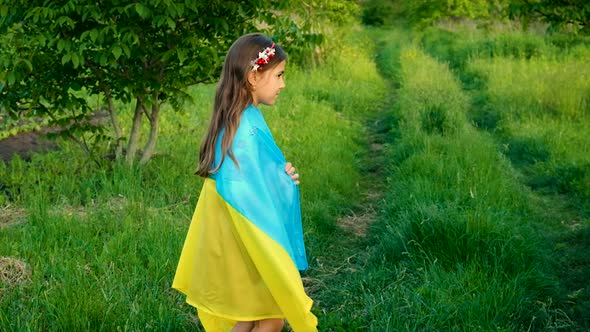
<point x="233" y="95"/>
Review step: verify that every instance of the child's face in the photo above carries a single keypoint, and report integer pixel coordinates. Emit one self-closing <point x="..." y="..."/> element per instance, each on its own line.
<point x="268" y="84"/>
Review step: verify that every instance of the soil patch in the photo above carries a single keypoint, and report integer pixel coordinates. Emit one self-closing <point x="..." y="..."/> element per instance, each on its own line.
<point x="26" y="143"/>
<point x="357" y="224"/>
<point x="13" y="272"/>
<point x="11" y="216"/>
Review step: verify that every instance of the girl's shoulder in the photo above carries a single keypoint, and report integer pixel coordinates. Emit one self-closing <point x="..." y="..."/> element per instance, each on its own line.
<point x="252" y="118"/>
<point x="251" y="113"/>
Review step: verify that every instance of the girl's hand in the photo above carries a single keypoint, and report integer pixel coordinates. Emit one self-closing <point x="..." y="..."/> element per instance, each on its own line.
<point x="291" y="171"/>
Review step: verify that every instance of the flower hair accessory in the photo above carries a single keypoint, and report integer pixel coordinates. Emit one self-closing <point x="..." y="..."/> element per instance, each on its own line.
<point x="263" y="58"/>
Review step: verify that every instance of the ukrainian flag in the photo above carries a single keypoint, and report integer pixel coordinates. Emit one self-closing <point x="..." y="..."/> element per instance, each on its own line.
<point x="244" y="246"/>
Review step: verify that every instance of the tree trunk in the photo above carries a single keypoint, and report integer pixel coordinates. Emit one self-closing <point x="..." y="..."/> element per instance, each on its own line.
<point x="135" y="132"/>
<point x="115" y="123"/>
<point x="150" y="146"/>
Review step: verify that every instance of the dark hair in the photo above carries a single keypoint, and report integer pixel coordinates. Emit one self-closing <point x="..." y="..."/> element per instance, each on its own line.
<point x="233" y="95"/>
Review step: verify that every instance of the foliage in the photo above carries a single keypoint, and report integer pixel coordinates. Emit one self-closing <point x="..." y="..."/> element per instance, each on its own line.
<point x="573" y="15"/>
<point x="425" y="12"/>
<point x="55" y="54"/>
<point x="337" y="12"/>
<point x="304" y="26"/>
<point x="378" y="12"/>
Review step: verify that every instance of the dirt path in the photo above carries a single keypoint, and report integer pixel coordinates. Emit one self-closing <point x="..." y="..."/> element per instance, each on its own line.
<point x="358" y="222"/>
<point x="337" y="266"/>
<point x="24" y="144"/>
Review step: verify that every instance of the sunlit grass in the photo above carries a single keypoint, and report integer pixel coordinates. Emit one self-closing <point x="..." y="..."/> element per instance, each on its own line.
<point x="102" y="240"/>
<point x="453" y="248"/>
<point x="530" y="92"/>
<point x="458" y="243"/>
<point x="533" y="88"/>
<point x="543" y="119"/>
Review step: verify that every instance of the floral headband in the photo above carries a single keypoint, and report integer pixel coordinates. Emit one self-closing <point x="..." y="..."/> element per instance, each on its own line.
<point x="263" y="58"/>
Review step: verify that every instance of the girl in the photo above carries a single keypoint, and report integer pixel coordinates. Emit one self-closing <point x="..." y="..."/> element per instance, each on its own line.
<point x="244" y="247"/>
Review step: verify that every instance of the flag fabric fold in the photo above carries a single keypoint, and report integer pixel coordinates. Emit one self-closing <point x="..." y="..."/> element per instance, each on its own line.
<point x="244" y="246"/>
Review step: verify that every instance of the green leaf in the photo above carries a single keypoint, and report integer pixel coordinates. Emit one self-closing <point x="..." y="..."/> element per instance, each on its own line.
<point x="11" y="78"/>
<point x="117" y="52"/>
<point x="103" y="60"/>
<point x="181" y="55"/>
<point x="171" y="10"/>
<point x="126" y="50"/>
<point x="42" y="40"/>
<point x="142" y="10"/>
<point x="60" y="45"/>
<point x="180" y="9"/>
<point x="75" y="60"/>
<point x="93" y="34"/>
<point x="66" y="58"/>
<point x="171" y="23"/>
<point x="27" y="63"/>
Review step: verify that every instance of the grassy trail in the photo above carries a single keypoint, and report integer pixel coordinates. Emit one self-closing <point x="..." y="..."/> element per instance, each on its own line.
<point x="567" y="229"/>
<point x="332" y="279"/>
<point x="562" y="220"/>
<point x="460" y="241"/>
<point x="560" y="216"/>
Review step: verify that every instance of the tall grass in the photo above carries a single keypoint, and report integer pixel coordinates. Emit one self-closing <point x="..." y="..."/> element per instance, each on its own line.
<point x="542" y="111"/>
<point x="536" y="88"/>
<point x="460" y="46"/>
<point x="102" y="240"/>
<point x="453" y="249"/>
<point x="530" y="92"/>
<point x="458" y="243"/>
<point x="539" y="108"/>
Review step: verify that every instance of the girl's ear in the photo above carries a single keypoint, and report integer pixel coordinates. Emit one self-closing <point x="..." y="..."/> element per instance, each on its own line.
<point x="252" y="78"/>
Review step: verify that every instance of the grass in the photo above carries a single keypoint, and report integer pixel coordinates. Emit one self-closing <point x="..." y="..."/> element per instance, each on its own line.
<point x="461" y="155"/>
<point x="531" y="93"/>
<point x="101" y="242"/>
<point x="542" y="120"/>
<point x="453" y="248"/>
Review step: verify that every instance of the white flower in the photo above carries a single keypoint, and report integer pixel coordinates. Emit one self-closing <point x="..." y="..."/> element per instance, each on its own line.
<point x="265" y="55"/>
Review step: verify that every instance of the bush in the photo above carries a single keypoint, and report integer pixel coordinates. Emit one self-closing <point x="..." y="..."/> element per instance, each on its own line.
<point x="378" y="12"/>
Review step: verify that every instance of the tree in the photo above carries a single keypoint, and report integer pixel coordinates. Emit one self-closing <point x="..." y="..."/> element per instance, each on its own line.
<point x="562" y="14"/>
<point x="54" y="54"/>
<point x="426" y="12"/>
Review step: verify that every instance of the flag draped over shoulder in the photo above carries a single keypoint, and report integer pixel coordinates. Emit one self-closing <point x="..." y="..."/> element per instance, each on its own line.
<point x="244" y="246"/>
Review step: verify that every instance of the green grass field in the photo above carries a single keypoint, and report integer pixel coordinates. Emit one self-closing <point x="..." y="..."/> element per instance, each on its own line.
<point x="445" y="186"/>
